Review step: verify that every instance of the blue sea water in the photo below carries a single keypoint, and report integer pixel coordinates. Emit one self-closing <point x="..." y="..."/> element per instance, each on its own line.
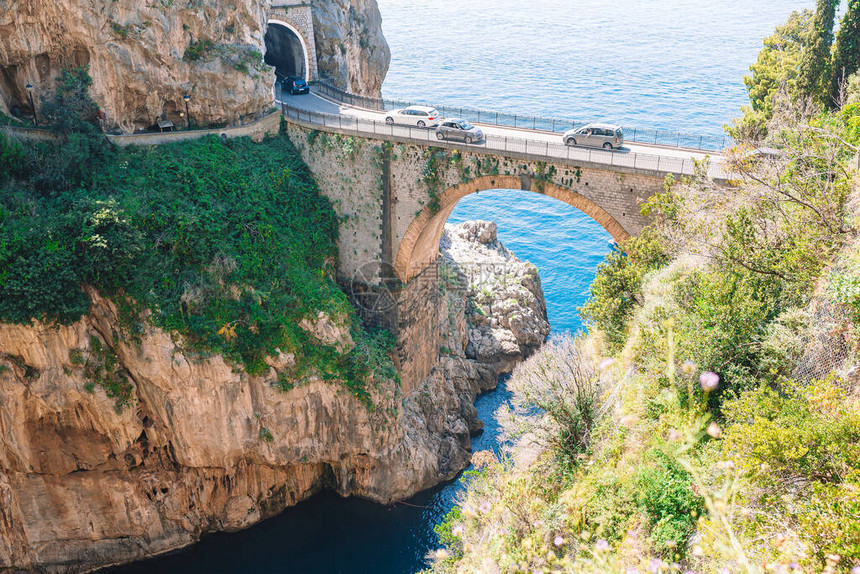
<point x="670" y="64"/>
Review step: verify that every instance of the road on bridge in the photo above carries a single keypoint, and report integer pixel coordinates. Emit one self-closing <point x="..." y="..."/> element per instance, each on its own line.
<point x="314" y="102"/>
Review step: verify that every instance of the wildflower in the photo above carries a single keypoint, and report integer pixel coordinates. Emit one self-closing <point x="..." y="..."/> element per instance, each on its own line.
<point x="558" y="541"/>
<point x="602" y="546"/>
<point x="674" y="434"/>
<point x="484" y="507"/>
<point x="697" y="550"/>
<point x="709" y="381"/>
<point x="457" y="531"/>
<point x="688" y="367"/>
<point x="656" y="565"/>
<point x="724" y="571"/>
<point x="675" y="566"/>
<point x="714" y="430"/>
<point x="605" y="363"/>
<point x="832" y="559"/>
<point x="585" y="535"/>
<point x="796" y="566"/>
<point x="855" y="570"/>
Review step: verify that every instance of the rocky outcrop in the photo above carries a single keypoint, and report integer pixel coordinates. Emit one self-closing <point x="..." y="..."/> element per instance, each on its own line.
<point x="89" y="478"/>
<point x="505" y="308"/>
<point x="145" y="57"/>
<point x="201" y="447"/>
<point x="351" y="50"/>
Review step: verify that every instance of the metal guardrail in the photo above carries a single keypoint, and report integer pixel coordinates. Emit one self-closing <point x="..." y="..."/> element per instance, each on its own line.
<point x="540" y="150"/>
<point x="647" y="136"/>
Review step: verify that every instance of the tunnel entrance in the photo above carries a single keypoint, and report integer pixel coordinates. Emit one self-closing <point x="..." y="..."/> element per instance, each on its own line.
<point x="285" y="50"/>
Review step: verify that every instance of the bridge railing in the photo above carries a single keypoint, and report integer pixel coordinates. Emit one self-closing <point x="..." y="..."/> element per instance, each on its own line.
<point x="541" y="150"/>
<point x="559" y="125"/>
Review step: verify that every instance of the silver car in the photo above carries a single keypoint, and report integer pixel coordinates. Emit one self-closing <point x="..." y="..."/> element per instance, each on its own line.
<point x="458" y="129"/>
<point x="606" y="136"/>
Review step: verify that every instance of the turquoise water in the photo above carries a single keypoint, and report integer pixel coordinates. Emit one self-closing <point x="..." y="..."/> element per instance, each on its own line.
<point x="670" y="64"/>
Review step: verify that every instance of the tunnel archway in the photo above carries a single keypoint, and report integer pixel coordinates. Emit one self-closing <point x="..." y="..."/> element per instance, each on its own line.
<point x="420" y="244"/>
<point x="286" y="50"/>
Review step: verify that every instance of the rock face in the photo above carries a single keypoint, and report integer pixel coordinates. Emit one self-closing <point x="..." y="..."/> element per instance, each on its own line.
<point x="144" y="57"/>
<point x="351" y="50"/>
<point x="506" y="312"/>
<point x="203" y="446"/>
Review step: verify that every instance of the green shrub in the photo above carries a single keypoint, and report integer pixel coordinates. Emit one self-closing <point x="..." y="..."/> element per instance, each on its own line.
<point x="11" y="158"/>
<point x="198" y="50"/>
<point x="799" y="449"/>
<point x="666" y="495"/>
<point x="616" y="289"/>
<point x="228" y="243"/>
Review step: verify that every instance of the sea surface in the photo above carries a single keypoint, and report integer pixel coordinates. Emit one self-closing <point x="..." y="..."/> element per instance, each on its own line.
<point x="668" y="64"/>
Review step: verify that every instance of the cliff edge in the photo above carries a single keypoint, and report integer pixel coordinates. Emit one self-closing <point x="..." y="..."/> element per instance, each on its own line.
<point x="145" y="57"/>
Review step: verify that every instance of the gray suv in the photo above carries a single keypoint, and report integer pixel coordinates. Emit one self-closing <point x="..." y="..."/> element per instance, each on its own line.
<point x="458" y="129"/>
<point x="607" y="136"/>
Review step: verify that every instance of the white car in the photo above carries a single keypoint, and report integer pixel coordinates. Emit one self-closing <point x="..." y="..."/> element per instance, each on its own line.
<point x="421" y="116"/>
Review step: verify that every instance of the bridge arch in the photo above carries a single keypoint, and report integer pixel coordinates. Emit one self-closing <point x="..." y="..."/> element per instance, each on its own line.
<point x="287" y="49"/>
<point x="420" y="244"/>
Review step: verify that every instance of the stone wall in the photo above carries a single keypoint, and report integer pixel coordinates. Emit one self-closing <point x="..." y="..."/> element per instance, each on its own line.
<point x="353" y="172"/>
<point x="299" y="14"/>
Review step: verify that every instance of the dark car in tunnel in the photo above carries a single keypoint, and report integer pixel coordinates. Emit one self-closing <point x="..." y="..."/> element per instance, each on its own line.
<point x="295" y="85"/>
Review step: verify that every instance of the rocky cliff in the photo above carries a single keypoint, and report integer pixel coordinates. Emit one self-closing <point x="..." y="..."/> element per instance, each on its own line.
<point x="505" y="310"/>
<point x="144" y="57"/>
<point x="203" y="446"/>
<point x="351" y="50"/>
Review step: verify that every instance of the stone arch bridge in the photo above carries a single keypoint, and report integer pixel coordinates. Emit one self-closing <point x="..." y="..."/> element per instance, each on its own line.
<point x="394" y="195"/>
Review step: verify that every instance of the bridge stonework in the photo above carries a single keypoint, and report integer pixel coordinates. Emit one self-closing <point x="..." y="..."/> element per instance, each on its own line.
<point x="393" y="199"/>
<point x="299" y="16"/>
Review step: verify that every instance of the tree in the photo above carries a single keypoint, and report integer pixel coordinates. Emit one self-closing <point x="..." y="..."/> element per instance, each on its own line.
<point x="72" y="110"/>
<point x="814" y="71"/>
<point x="775" y="68"/>
<point x="846" y="56"/>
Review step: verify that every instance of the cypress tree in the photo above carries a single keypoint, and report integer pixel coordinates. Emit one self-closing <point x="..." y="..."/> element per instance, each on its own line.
<point x="846" y="56"/>
<point x="814" y="73"/>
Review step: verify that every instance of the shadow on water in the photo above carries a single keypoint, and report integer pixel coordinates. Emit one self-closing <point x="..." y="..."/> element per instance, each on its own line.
<point x="330" y="534"/>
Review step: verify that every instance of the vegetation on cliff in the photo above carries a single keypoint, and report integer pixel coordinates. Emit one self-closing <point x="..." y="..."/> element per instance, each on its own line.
<point x="710" y="419"/>
<point x="227" y="243"/>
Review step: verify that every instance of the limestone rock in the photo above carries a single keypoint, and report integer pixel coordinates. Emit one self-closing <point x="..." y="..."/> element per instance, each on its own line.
<point x="203" y="446"/>
<point x="505" y="307"/>
<point x="329" y="331"/>
<point x="206" y="447"/>
<point x="351" y="50"/>
<point x="144" y="57"/>
<point x="136" y="53"/>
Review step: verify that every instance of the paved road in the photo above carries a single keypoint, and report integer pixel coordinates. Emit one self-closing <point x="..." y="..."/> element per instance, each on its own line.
<point x="678" y="159"/>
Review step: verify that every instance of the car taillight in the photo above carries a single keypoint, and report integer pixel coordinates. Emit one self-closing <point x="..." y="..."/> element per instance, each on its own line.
<point x="431" y="119"/>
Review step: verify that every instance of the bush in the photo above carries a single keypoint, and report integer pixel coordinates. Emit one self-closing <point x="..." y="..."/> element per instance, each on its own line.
<point x="616" y="289"/>
<point x="11" y="158"/>
<point x="198" y="50"/>
<point x="228" y="243"/>
<point x="798" y="448"/>
<point x="666" y="495"/>
<point x="72" y="110"/>
<point x="560" y="383"/>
